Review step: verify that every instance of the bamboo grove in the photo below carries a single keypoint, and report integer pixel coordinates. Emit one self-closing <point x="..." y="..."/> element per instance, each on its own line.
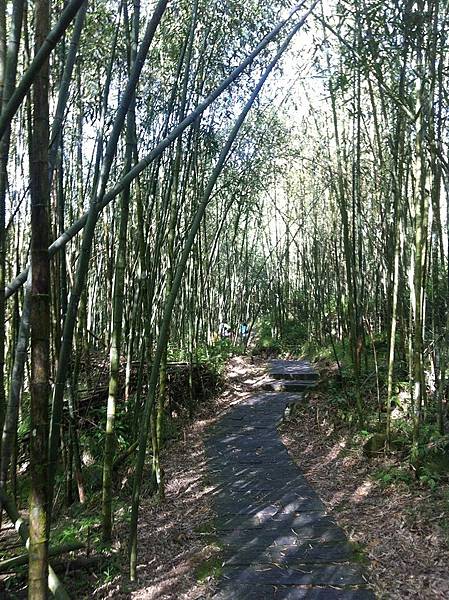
<point x="370" y="191"/>
<point x="157" y="186"/>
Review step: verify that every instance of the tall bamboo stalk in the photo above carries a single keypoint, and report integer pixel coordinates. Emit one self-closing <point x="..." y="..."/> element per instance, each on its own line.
<point x="39" y="319"/>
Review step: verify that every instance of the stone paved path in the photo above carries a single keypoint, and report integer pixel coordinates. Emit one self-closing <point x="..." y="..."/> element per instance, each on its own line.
<point x="278" y="541"/>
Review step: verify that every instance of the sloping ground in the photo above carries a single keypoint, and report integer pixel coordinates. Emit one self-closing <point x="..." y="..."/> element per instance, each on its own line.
<point x="170" y="529"/>
<point x="177" y="554"/>
<point x="401" y="529"/>
<point x="278" y="541"/>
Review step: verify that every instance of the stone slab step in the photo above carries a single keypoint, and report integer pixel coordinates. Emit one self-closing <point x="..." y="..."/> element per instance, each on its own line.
<point x="314" y="574"/>
<point x="294" y="502"/>
<point x="242" y="460"/>
<point x="312" y="518"/>
<point x="256" y="486"/>
<point x="233" y="488"/>
<point x="290" y="556"/>
<point x="284" y="536"/>
<point x="229" y="507"/>
<point x="291" y="592"/>
<point x="261" y="473"/>
<point x="266" y="443"/>
<point x="292" y="369"/>
<point x="288" y="386"/>
<point x="306" y="376"/>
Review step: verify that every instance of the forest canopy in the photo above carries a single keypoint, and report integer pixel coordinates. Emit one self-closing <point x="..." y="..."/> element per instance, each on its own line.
<point x="168" y="166"/>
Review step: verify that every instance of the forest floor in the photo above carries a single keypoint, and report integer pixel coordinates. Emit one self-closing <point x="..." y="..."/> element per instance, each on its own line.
<point x="401" y="528"/>
<point x="177" y="554"/>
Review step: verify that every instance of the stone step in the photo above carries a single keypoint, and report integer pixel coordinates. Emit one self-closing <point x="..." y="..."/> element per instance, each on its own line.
<point x="292" y="369"/>
<point x="299" y="376"/>
<point x="289" y="500"/>
<point x="261" y="473"/>
<point x="314" y="574"/>
<point x="288" y="386"/>
<point x="229" y="506"/>
<point x="293" y="555"/>
<point x="246" y="486"/>
<point x="290" y="592"/>
<point x="284" y="536"/>
<point x="317" y="518"/>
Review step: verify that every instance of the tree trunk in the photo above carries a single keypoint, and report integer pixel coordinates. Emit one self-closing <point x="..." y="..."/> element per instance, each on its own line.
<point x="40" y="320"/>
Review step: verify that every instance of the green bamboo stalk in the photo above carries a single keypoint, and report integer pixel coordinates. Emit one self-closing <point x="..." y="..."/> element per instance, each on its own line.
<point x="88" y="236"/>
<point x="10" y="72"/>
<point x="170" y="302"/>
<point x="74" y="229"/>
<point x="63" y="95"/>
<point x="11" y="564"/>
<point x="41" y="56"/>
<point x="117" y="308"/>
<point x="12" y="412"/>
<point x="39" y="320"/>
<point x="21" y="526"/>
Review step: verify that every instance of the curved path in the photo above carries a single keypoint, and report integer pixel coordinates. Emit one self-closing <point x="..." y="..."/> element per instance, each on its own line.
<point x="278" y="541"/>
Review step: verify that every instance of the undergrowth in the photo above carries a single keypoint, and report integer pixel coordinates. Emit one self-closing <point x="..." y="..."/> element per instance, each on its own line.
<point x="334" y="362"/>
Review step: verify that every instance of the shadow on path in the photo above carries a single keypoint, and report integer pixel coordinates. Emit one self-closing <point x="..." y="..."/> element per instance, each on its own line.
<point x="278" y="541"/>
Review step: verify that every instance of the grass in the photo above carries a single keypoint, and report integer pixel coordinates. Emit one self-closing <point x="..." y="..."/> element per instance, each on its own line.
<point x="359" y="553"/>
<point x="210" y="568"/>
<point x="206" y="527"/>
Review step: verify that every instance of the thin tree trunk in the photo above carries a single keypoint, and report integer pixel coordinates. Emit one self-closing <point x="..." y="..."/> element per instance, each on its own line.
<point x="177" y="280"/>
<point x="40" y="58"/>
<point x="54" y="585"/>
<point x="73" y="230"/>
<point x="40" y="320"/>
<point x="10" y="71"/>
<point x="117" y="309"/>
<point x="86" y="248"/>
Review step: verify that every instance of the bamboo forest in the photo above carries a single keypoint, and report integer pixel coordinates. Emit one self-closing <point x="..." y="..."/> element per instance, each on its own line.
<point x="224" y="299"/>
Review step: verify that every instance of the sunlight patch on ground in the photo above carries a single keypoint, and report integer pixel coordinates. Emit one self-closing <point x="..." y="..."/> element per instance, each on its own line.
<point x="362" y="491"/>
<point x="337" y="499"/>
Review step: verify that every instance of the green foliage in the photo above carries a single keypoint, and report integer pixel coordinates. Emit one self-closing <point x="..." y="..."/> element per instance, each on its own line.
<point x="219" y="353"/>
<point x="207" y="527"/>
<point x="92" y="438"/>
<point x="77" y="531"/>
<point x="24" y="424"/>
<point x="433" y="465"/>
<point x="393" y="475"/>
<point x="429" y="478"/>
<point x="264" y="328"/>
<point x="364" y="434"/>
<point x="214" y="356"/>
<point x="403" y="429"/>
<point x="111" y="569"/>
<point x="272" y="341"/>
<point x="293" y="334"/>
<point x="268" y="345"/>
<point x="359" y="552"/>
<point x="317" y="351"/>
<point x="82" y="523"/>
<point x="211" y="568"/>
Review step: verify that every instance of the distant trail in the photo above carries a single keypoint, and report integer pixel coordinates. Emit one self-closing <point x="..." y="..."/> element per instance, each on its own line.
<point x="279" y="543"/>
